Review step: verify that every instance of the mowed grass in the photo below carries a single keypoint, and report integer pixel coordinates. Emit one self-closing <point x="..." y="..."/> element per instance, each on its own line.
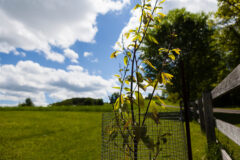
<point x="41" y="135"/>
<point x="198" y="141"/>
<point x="29" y="135"/>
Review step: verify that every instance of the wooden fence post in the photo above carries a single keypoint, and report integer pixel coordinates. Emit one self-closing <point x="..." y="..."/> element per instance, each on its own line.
<point x="195" y="115"/>
<point x="201" y="115"/>
<point x="209" y="119"/>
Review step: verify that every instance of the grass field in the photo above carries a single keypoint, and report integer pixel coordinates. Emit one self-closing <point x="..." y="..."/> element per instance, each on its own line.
<point x="42" y="135"/>
<point x="50" y="135"/>
<point x="231" y="147"/>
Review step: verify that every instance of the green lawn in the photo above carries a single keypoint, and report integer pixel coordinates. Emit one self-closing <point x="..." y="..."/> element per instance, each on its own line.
<point x="231" y="147"/>
<point x="29" y="135"/>
<point x="42" y="135"/>
<point x="199" y="142"/>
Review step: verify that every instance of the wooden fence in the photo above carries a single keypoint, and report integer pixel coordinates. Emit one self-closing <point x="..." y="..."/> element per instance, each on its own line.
<point x="207" y="121"/>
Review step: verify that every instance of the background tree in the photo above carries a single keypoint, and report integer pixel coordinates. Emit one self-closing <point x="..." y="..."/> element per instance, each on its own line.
<point x="114" y="97"/>
<point x="228" y="31"/>
<point x="28" y="103"/>
<point x="193" y="35"/>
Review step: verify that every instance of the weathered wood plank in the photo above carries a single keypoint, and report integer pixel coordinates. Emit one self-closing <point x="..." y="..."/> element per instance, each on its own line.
<point x="229" y="130"/>
<point x="229" y="83"/>
<point x="225" y="156"/>
<point x="209" y="119"/>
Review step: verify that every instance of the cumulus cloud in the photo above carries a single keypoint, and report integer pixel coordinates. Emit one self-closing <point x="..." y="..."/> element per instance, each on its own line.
<point x="29" y="79"/>
<point x="90" y="57"/>
<point x="38" y="25"/>
<point x="73" y="56"/>
<point x="87" y="54"/>
<point x="190" y="5"/>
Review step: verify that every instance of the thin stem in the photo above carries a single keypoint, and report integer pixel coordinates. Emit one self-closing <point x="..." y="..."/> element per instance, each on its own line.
<point x="145" y="115"/>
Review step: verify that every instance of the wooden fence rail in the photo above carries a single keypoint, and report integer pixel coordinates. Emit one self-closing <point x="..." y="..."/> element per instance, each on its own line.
<point x="232" y="81"/>
<point x="229" y="130"/>
<point x="205" y="111"/>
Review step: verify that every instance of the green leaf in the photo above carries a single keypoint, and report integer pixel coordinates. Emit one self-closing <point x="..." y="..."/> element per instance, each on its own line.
<point x="129" y="54"/>
<point x="158" y="20"/>
<point x="116" y="104"/>
<point x="114" y="54"/>
<point x="116" y="87"/>
<point x="161" y="2"/>
<point x="137" y="6"/>
<point x="122" y="99"/>
<point x="125" y="60"/>
<point x="140" y="98"/>
<point x="127" y="34"/>
<point x="116" y="75"/>
<point x="161" y="14"/>
<point x="113" y="135"/>
<point x="120" y="80"/>
<point x="127" y="82"/>
<point x="171" y="56"/>
<point x="152" y="39"/>
<point x="127" y="89"/>
<point x="139" y="77"/>
<point x="149" y="63"/>
<point x="163" y="105"/>
<point x="177" y="50"/>
<point x="135" y="38"/>
<point x="160" y="50"/>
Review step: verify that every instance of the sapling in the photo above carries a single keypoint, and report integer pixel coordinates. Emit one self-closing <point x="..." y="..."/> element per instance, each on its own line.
<point x="130" y="109"/>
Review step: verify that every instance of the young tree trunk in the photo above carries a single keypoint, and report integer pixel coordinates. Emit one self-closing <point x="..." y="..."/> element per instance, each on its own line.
<point x="135" y="149"/>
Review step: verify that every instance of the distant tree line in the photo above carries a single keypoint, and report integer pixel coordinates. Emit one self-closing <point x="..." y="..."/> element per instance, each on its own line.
<point x="28" y="103"/>
<point x="79" y="101"/>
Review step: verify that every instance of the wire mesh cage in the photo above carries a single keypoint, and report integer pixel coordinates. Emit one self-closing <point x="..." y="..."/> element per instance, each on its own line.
<point x="163" y="140"/>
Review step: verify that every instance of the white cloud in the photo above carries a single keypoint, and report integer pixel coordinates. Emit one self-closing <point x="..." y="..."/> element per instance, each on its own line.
<point x="29" y="79"/>
<point x="132" y="24"/>
<point x="190" y="5"/>
<point x="15" y="52"/>
<point x="87" y="54"/>
<point x="73" y="56"/>
<point x="37" y="25"/>
<point x="95" y="60"/>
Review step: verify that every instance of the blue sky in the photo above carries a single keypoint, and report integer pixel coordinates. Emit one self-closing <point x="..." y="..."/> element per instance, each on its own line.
<point x="53" y="50"/>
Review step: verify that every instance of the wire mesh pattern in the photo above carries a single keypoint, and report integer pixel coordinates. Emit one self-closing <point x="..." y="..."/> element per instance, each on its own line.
<point x="170" y="131"/>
